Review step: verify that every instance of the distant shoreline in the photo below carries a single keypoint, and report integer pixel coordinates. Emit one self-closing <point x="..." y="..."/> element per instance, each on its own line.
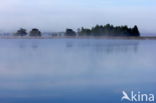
<point x="81" y="37"/>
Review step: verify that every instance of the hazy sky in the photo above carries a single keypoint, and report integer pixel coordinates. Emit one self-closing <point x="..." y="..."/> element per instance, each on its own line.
<point x="57" y="15"/>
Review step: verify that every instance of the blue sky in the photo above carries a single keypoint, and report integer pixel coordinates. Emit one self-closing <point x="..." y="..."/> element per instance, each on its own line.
<point x="57" y="15"/>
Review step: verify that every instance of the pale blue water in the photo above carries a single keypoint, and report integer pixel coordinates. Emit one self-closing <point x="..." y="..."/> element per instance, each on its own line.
<point x="75" y="70"/>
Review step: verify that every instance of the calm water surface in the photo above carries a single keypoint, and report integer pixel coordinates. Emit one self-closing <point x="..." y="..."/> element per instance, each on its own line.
<point x="75" y="70"/>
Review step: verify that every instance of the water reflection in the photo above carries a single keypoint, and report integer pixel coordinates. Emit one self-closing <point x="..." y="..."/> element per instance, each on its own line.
<point x="32" y="45"/>
<point x="107" y="46"/>
<point x="74" y="70"/>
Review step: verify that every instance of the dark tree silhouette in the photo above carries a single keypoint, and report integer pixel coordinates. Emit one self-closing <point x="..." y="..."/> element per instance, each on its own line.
<point x="135" y="31"/>
<point x="109" y="30"/>
<point x="70" y="32"/>
<point x="35" y="32"/>
<point x="21" y="32"/>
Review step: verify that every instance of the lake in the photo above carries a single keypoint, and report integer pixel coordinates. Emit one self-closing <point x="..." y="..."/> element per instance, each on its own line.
<point x="75" y="70"/>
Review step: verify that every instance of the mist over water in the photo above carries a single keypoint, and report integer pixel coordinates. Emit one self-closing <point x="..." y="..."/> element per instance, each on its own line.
<point x="75" y="70"/>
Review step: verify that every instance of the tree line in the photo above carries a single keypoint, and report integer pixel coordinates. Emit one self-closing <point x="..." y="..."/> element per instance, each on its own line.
<point x="23" y="32"/>
<point x="105" y="30"/>
<point x="98" y="30"/>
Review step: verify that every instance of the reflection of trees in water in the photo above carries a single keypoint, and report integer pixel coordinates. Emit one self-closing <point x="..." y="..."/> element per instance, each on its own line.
<point x="34" y="46"/>
<point x="98" y="52"/>
<point x="24" y="45"/>
<point x="104" y="46"/>
<point x="69" y="44"/>
<point x="108" y="47"/>
<point x="117" y="47"/>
